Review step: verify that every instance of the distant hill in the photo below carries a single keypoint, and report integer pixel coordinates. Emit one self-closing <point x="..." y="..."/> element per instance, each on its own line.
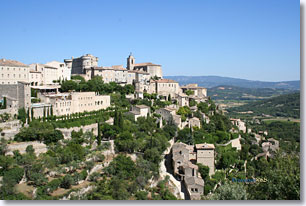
<point x="287" y="105"/>
<point x="213" y="81"/>
<point x="224" y="92"/>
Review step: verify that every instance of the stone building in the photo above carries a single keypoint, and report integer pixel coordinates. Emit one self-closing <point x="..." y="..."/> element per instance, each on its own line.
<point x="20" y="92"/>
<point x="12" y="71"/>
<point x="48" y="74"/>
<point x="206" y="156"/>
<point x="184" y="161"/>
<point x="116" y="74"/>
<point x="74" y="102"/>
<point x="155" y="70"/>
<point x="139" y="111"/>
<point x="164" y="87"/>
<point x="197" y="91"/>
<point x="183" y="100"/>
<point x="78" y="65"/>
<point x="240" y="124"/>
<point x="63" y="71"/>
<point x="194" y="122"/>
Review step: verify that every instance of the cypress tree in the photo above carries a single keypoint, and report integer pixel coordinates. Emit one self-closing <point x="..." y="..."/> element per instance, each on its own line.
<point x="99" y="134"/>
<point x="4" y="102"/>
<point x="44" y="115"/>
<point x="28" y="116"/>
<point x="116" y="119"/>
<point x="51" y="111"/>
<point x="121" y="120"/>
<point x="32" y="113"/>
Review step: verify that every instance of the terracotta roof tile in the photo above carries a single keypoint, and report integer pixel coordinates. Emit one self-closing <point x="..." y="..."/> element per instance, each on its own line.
<point x="13" y="63"/>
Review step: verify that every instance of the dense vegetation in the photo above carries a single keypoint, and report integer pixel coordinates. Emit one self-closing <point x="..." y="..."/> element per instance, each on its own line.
<point x="96" y="84"/>
<point x="287" y="105"/>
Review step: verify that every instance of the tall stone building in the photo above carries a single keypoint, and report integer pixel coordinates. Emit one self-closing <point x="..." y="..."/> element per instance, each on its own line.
<point x="20" y="92"/>
<point x="206" y="156"/>
<point x="78" y="65"/>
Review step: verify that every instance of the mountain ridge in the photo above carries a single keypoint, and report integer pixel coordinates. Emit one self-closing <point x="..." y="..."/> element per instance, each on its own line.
<point x="214" y="81"/>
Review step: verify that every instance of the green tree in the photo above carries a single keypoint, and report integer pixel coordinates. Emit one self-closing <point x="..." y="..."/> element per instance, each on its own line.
<point x="22" y="115"/>
<point x="230" y="191"/>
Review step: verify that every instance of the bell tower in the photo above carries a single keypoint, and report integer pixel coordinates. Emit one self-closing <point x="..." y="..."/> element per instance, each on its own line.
<point x="130" y="62"/>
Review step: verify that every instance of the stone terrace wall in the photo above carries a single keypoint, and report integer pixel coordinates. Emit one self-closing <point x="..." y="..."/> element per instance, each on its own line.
<point x="21" y="147"/>
<point x="67" y="132"/>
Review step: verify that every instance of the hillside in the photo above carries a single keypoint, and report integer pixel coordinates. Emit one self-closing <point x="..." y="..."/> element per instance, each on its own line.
<point x="287" y="105"/>
<point x="213" y="81"/>
<point x="239" y="93"/>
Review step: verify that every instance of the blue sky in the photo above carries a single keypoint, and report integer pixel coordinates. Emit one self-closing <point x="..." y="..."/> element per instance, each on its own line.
<point x="251" y="39"/>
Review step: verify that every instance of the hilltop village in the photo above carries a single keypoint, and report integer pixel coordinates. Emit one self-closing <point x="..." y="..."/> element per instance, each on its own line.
<point x="76" y="130"/>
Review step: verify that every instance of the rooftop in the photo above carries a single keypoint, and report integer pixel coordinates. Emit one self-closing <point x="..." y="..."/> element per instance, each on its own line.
<point x="165" y="81"/>
<point x="12" y="63"/>
<point x="139" y="72"/>
<point x="142" y="106"/>
<point x="205" y="146"/>
<point x="46" y="87"/>
<point x="192" y="86"/>
<point x="146" y="64"/>
<point x="194" y="180"/>
<point x="116" y="67"/>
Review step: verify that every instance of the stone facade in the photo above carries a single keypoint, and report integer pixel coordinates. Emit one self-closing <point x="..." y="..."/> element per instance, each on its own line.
<point x="63" y="71"/>
<point x="154" y="70"/>
<point x="240" y="124"/>
<point x="183" y="157"/>
<point x="139" y="111"/>
<point x="206" y="156"/>
<point x="78" y="65"/>
<point x="20" y="92"/>
<point x="49" y="74"/>
<point x="164" y="87"/>
<point x="12" y="71"/>
<point x="74" y="102"/>
<point x="116" y="74"/>
<point x="197" y="91"/>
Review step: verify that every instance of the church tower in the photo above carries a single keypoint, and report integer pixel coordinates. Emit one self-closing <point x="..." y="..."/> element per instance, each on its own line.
<point x="130" y="62"/>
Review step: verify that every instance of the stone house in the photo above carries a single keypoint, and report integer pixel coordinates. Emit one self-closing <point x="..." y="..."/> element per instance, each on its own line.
<point x="164" y="87"/>
<point x="197" y="91"/>
<point x="139" y="111"/>
<point x="240" y="124"/>
<point x="206" y="156"/>
<point x="182" y="99"/>
<point x="194" y="122"/>
<point x="195" y="187"/>
<point x="184" y="159"/>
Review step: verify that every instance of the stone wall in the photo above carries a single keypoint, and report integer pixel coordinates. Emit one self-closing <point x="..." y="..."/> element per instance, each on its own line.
<point x="67" y="131"/>
<point x="21" y="147"/>
<point x="10" y="129"/>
